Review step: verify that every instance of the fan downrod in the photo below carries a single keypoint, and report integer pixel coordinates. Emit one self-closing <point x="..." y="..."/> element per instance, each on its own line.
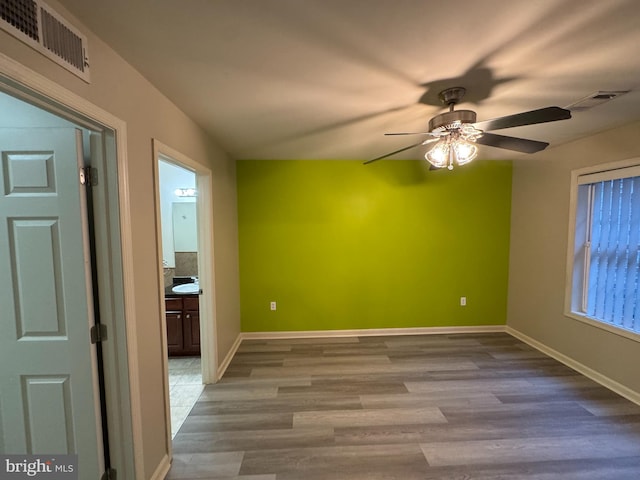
<point x="452" y="96"/>
<point x="452" y="119"/>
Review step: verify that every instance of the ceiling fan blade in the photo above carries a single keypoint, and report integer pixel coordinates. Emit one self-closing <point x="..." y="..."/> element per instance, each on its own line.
<point x="392" y="153"/>
<point x="409" y="133"/>
<point x="522" y="145"/>
<point x="542" y="115"/>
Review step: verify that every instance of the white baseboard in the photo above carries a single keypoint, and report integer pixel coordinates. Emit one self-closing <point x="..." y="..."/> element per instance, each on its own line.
<point x="370" y="332"/>
<point x="227" y="359"/>
<point x="603" y="380"/>
<point x="162" y="469"/>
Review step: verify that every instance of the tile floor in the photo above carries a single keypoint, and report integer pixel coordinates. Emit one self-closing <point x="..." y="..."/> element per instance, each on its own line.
<point x="185" y="386"/>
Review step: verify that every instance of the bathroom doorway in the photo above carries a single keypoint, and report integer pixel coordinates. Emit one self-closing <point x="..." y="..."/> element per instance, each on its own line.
<point x="179" y="226"/>
<point x="183" y="206"/>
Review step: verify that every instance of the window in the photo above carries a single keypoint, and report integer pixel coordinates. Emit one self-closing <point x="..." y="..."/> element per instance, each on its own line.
<point x="605" y="261"/>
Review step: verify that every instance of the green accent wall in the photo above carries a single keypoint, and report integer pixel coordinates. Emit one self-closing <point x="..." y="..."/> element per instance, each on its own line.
<point x="342" y="245"/>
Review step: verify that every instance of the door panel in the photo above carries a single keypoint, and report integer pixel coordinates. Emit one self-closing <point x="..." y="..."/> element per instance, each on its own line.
<point x="39" y="312"/>
<point x="174" y="332"/>
<point x="192" y="329"/>
<point x="48" y="399"/>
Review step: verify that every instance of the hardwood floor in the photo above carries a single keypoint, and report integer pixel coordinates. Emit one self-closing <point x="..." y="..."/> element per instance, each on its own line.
<point x="455" y="407"/>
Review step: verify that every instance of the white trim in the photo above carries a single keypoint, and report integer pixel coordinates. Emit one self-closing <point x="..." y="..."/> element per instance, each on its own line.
<point x="26" y="79"/>
<point x="371" y="332"/>
<point x="604" y="167"/>
<point x="615" y="329"/>
<point x="227" y="359"/>
<point x="603" y="380"/>
<point x="162" y="469"/>
<point x="126" y="239"/>
<point x="91" y="300"/>
<point x="609" y="171"/>
<point x="571" y="243"/>
<point x="161" y="303"/>
<point x="206" y="268"/>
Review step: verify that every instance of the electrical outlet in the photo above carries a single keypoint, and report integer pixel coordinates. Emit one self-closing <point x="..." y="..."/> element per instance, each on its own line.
<point x="463" y="301"/>
<point x="272" y="305"/>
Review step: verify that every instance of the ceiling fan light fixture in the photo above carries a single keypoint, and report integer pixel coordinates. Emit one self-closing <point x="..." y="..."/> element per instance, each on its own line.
<point x="439" y="155"/>
<point x="452" y="149"/>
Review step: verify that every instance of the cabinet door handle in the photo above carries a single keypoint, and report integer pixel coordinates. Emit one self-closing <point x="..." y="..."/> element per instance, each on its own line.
<point x="179" y="316"/>
<point x="188" y="315"/>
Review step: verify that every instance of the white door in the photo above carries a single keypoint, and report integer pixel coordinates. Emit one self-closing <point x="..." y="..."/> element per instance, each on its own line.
<point x="48" y="387"/>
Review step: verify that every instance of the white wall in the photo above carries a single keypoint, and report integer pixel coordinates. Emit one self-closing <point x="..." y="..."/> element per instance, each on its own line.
<point x="120" y="90"/>
<point x="538" y="258"/>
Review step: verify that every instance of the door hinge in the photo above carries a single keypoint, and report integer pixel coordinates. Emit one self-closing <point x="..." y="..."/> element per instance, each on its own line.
<point x="98" y="333"/>
<point x="109" y="474"/>
<point x="88" y="176"/>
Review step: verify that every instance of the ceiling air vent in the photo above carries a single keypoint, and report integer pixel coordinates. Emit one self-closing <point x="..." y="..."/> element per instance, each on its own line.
<point x="39" y="26"/>
<point x="594" y="99"/>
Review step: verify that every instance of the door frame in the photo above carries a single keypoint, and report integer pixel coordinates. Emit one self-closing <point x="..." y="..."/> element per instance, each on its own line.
<point x="204" y="212"/>
<point x="125" y="419"/>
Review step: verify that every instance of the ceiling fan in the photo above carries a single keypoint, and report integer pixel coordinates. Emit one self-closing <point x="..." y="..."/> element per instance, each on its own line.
<point x="457" y="132"/>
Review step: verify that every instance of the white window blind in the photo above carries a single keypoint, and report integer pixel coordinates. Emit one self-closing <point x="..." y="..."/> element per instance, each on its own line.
<point x="611" y="248"/>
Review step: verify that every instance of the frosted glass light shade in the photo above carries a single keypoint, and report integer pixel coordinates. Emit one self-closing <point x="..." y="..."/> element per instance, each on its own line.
<point x="465" y="151"/>
<point x="438" y="156"/>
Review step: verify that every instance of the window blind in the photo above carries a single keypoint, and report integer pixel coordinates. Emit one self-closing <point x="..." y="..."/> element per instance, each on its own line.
<point x="614" y="253"/>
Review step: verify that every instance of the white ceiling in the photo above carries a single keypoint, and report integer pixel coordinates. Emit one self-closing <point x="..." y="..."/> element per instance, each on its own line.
<point x="325" y="79"/>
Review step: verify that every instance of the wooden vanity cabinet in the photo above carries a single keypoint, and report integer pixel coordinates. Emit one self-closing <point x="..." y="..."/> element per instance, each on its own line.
<point x="183" y="326"/>
<point x="191" y="326"/>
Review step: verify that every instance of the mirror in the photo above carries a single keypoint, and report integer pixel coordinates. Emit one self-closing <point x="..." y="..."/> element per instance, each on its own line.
<point x="185" y="228"/>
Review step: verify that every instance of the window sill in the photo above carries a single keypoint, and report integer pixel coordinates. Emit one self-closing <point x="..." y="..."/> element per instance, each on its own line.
<point x="623" y="332"/>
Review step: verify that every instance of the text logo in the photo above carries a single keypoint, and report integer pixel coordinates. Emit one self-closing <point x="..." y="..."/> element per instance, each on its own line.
<point x="50" y="467"/>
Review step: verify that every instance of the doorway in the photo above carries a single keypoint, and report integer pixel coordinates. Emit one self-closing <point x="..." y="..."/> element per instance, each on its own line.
<point x="54" y="400"/>
<point x="179" y="227"/>
<point x="184" y="222"/>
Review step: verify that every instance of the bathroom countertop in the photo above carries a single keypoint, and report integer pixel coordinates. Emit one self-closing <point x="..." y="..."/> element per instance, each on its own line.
<point x="168" y="293"/>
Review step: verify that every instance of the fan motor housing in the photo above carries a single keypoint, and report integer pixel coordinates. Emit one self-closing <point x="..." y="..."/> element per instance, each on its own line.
<point x="451" y="120"/>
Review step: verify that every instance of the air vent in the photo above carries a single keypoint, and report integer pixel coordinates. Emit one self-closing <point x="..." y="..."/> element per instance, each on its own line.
<point x="594" y="99"/>
<point x="39" y="26"/>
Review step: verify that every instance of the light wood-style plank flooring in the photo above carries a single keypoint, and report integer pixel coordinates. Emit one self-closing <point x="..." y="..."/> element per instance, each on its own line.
<point x="455" y="407"/>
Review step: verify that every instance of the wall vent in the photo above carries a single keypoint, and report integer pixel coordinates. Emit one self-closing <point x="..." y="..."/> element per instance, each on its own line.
<point x="39" y="26"/>
<point x="594" y="99"/>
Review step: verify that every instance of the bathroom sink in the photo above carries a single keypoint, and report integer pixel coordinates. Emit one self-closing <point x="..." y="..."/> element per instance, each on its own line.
<point x="186" y="288"/>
